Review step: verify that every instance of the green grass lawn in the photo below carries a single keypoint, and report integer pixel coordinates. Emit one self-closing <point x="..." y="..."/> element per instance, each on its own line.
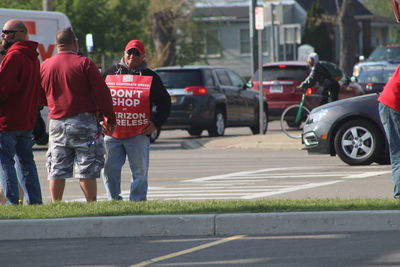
<point x="126" y="208"/>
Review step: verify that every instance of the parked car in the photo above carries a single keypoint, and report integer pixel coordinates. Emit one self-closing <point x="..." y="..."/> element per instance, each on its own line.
<point x="280" y="82"/>
<point x="350" y="128"/>
<point x="373" y="79"/>
<point x="210" y="98"/>
<point x="380" y="56"/>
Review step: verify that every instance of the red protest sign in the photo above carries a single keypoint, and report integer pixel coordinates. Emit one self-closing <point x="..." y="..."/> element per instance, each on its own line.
<point x="131" y="100"/>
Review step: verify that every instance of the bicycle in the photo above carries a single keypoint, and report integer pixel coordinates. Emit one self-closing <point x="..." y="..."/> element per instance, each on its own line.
<point x="294" y="117"/>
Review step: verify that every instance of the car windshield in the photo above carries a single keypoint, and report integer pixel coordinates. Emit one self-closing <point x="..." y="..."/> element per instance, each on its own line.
<point x="180" y="78"/>
<point x="378" y="75"/>
<point x="391" y="53"/>
<point x="283" y="72"/>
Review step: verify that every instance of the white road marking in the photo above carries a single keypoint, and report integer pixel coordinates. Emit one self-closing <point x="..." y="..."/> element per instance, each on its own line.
<point x="255" y="184"/>
<point x="365" y="175"/>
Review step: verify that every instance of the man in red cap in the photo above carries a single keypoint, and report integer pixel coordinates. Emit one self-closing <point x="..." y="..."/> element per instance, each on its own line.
<point x="137" y="92"/>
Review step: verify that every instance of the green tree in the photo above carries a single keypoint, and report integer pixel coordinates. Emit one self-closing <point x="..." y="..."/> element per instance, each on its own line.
<point x="177" y="37"/>
<point x="384" y="9"/>
<point x="316" y="32"/>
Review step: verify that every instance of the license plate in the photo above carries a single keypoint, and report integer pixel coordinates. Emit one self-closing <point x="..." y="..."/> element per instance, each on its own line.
<point x="275" y="89"/>
<point x="173" y="99"/>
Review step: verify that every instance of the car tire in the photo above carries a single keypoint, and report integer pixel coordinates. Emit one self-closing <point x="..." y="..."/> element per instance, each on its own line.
<point x="155" y="135"/>
<point x="255" y="129"/>
<point x="195" y="132"/>
<point x="359" y="142"/>
<point x="218" y="125"/>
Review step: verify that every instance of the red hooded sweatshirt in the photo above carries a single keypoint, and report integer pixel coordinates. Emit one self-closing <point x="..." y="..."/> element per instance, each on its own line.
<point x="19" y="87"/>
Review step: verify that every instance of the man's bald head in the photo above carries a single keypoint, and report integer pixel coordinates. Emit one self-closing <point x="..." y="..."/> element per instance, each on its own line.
<point x="13" y="31"/>
<point x="65" y="38"/>
<point x="15" y="25"/>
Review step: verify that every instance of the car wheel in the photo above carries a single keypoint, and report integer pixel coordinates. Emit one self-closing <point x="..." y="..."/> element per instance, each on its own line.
<point x="358" y="142"/>
<point x="155" y="135"/>
<point x="255" y="129"/>
<point x="218" y="126"/>
<point x="195" y="132"/>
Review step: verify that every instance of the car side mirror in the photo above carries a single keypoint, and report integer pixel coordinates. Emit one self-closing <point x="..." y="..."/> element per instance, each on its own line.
<point x="354" y="79"/>
<point x="361" y="58"/>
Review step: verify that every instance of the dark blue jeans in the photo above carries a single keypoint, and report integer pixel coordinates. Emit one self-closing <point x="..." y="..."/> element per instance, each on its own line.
<point x="19" y="144"/>
<point x="391" y="122"/>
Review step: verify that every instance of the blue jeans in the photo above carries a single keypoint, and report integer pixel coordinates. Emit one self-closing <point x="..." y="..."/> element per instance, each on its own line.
<point x="391" y="122"/>
<point x="137" y="150"/>
<point x="19" y="144"/>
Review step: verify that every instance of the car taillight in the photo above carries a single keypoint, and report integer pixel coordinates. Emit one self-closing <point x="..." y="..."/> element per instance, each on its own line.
<point x="282" y="66"/>
<point x="309" y="91"/>
<point x="196" y="90"/>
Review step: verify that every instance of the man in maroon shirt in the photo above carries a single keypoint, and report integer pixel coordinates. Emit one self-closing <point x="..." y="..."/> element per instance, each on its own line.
<point x="75" y="92"/>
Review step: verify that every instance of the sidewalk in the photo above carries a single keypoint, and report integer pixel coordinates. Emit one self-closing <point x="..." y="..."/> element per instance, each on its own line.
<point x="207" y="224"/>
<point x="201" y="225"/>
<point x="272" y="140"/>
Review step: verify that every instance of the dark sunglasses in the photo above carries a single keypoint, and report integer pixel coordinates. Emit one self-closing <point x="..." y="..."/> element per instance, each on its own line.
<point x="10" y="31"/>
<point x="133" y="52"/>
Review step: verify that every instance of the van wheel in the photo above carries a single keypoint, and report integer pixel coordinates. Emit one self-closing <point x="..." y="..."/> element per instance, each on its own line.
<point x="195" y="132"/>
<point x="218" y="126"/>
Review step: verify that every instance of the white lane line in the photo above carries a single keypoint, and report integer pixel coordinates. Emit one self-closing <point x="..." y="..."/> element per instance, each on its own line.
<point x="291" y="189"/>
<point x="225" y="176"/>
<point x="365" y="175"/>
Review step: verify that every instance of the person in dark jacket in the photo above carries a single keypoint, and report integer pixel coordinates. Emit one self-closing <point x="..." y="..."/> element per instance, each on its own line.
<point x="19" y="99"/>
<point x="136" y="92"/>
<point x="321" y="75"/>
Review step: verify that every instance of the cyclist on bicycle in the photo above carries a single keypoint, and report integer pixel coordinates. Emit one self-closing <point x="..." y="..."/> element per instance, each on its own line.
<point x="326" y="74"/>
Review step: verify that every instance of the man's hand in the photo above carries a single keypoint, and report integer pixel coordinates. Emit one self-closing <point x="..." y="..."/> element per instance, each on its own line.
<point x="149" y="129"/>
<point x="107" y="129"/>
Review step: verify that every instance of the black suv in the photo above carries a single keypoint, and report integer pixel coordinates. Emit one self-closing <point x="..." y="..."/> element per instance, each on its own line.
<point x="210" y="98"/>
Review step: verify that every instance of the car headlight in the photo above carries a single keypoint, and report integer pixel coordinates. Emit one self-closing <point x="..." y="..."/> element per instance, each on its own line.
<point x="356" y="71"/>
<point x="319" y="114"/>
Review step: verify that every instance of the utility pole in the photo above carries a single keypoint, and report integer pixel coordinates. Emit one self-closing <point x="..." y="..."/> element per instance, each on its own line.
<point x="47" y="5"/>
<point x="253" y="37"/>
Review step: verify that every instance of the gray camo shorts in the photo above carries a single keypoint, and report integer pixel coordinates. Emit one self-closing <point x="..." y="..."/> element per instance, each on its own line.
<point x="75" y="141"/>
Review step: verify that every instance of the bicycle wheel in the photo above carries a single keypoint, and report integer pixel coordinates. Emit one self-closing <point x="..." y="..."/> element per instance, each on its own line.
<point x="289" y="125"/>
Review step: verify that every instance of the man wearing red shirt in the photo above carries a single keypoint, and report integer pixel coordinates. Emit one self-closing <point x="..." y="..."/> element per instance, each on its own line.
<point x="389" y="111"/>
<point x="75" y="92"/>
<point x="19" y="95"/>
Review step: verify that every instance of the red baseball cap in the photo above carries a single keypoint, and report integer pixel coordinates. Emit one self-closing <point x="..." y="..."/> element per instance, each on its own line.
<point x="137" y="44"/>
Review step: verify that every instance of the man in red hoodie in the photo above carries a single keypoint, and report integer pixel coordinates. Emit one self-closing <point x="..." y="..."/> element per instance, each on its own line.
<point x="19" y="96"/>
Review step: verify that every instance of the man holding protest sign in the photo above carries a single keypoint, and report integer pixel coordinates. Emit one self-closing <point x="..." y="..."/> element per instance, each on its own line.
<point x="135" y="90"/>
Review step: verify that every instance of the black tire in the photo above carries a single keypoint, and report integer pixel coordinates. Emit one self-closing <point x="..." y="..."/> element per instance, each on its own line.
<point x="288" y="118"/>
<point x="359" y="142"/>
<point x="255" y="129"/>
<point x="155" y="135"/>
<point x="195" y="132"/>
<point x="218" y="125"/>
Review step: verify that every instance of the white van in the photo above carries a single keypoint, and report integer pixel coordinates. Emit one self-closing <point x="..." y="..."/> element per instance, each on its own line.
<point x="42" y="27"/>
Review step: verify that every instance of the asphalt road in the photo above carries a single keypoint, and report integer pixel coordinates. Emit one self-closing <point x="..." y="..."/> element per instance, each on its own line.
<point x="311" y="250"/>
<point x="221" y="172"/>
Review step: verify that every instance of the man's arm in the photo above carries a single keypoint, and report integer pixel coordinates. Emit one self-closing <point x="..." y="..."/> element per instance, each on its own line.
<point x="101" y="93"/>
<point x="10" y="68"/>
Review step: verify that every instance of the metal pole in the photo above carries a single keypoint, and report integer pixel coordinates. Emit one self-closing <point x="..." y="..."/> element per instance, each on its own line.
<point x="260" y="86"/>
<point x="272" y="33"/>
<point x="47" y="5"/>
<point x="253" y="37"/>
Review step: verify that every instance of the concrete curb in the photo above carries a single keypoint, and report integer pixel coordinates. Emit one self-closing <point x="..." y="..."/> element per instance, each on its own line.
<point x="200" y="225"/>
